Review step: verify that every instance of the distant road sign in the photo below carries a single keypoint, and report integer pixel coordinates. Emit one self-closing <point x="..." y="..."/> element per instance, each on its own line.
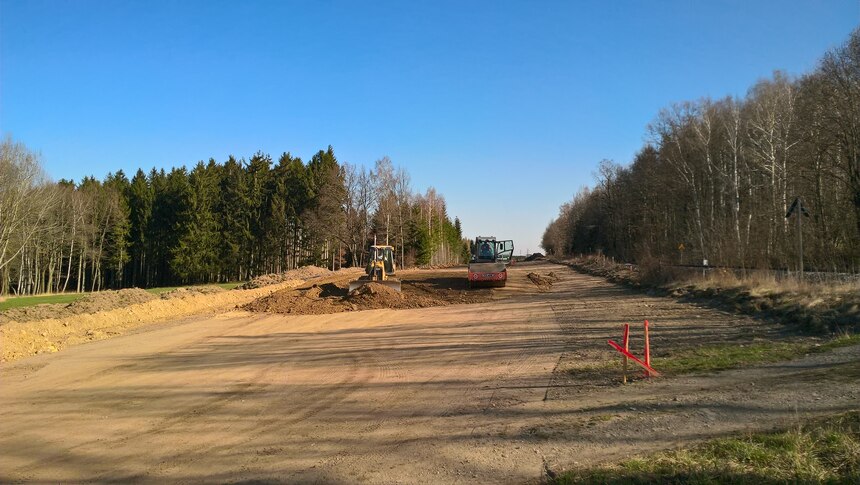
<point x="795" y="206"/>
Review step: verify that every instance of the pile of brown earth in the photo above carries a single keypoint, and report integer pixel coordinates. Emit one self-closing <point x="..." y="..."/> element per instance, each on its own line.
<point x="544" y="282"/>
<point x="303" y="273"/>
<point x="371" y="296"/>
<point x="535" y="257"/>
<point x="189" y="291"/>
<point x="91" y="303"/>
<point x="315" y="300"/>
<point x="336" y="298"/>
<point x="330" y="298"/>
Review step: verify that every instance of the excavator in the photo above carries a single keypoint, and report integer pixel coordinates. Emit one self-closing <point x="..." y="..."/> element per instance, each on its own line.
<point x="490" y="259"/>
<point x="380" y="268"/>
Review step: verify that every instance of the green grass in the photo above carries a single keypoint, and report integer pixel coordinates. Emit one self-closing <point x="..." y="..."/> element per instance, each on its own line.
<point x="714" y="358"/>
<point x="25" y="301"/>
<point x="65" y="298"/>
<point x="845" y="340"/>
<point x="821" y="451"/>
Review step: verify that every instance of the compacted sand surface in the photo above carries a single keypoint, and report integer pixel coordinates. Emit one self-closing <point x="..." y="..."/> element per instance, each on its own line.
<point x="499" y="391"/>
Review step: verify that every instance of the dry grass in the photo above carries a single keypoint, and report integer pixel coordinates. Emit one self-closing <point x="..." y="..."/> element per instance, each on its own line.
<point x="820" y="451"/>
<point x="759" y="284"/>
<point x="815" y="307"/>
<point x="812" y="306"/>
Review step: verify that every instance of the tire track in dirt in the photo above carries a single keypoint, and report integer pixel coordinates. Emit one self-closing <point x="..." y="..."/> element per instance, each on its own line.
<point x="329" y="389"/>
<point x="328" y="393"/>
<point x="161" y="424"/>
<point x="474" y="397"/>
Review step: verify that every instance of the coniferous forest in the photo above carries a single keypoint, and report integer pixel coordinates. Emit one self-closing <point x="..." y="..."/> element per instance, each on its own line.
<point x="215" y="222"/>
<point x="717" y="177"/>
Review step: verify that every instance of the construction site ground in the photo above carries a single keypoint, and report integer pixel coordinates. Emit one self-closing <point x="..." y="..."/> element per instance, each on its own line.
<point x="502" y="385"/>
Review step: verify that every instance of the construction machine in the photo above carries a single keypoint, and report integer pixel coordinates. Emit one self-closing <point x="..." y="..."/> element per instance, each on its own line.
<point x="490" y="259"/>
<point x="380" y="268"/>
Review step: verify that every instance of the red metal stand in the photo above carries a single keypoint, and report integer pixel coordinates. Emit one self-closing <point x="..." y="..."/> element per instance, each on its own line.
<point x="647" y="346"/>
<point x="625" y="351"/>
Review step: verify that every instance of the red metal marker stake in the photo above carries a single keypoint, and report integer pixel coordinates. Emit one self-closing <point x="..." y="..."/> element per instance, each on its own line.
<point x="626" y="347"/>
<point x="647" y="346"/>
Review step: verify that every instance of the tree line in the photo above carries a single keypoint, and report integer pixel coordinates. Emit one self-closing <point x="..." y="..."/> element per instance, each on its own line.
<point x="215" y="222"/>
<point x="716" y="178"/>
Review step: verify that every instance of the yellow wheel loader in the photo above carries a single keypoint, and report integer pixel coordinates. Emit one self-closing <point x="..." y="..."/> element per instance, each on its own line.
<point x="380" y="269"/>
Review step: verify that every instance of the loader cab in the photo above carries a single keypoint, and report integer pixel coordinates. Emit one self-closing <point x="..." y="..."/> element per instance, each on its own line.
<point x="381" y="255"/>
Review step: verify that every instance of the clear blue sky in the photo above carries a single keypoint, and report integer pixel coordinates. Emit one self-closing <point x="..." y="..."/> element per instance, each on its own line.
<point x="505" y="107"/>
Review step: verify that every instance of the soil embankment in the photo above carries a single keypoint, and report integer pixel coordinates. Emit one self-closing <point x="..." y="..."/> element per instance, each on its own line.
<point x="90" y="303"/>
<point x="50" y="328"/>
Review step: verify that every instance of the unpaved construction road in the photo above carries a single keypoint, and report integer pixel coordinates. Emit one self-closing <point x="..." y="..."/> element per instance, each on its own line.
<point x="493" y="392"/>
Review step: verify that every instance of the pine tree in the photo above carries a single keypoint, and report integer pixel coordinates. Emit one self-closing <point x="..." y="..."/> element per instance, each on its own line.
<point x="234" y="220"/>
<point x="119" y="236"/>
<point x="257" y="173"/>
<point x="140" y="211"/>
<point x="196" y="258"/>
<point x="299" y="192"/>
<point x="325" y="217"/>
<point x="419" y="239"/>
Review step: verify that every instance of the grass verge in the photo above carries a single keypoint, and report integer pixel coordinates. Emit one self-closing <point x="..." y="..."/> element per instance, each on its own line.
<point x="712" y="358"/>
<point x="25" y="301"/>
<point x="66" y="298"/>
<point x="819" y="451"/>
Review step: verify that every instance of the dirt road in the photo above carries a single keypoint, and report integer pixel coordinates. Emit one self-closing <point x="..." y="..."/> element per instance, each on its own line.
<point x="494" y="392"/>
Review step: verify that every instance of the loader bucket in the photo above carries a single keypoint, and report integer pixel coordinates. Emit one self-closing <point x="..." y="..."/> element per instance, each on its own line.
<point x="355" y="284"/>
<point x="392" y="283"/>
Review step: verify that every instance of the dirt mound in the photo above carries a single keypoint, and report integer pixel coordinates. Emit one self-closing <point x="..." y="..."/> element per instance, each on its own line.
<point x="535" y="257"/>
<point x="189" y="291"/>
<point x="330" y="298"/>
<point x="108" y="300"/>
<point x="375" y="295"/>
<point x="544" y="282"/>
<point x="303" y="273"/>
<point x="425" y="291"/>
<point x="91" y="303"/>
<point x="302" y="301"/>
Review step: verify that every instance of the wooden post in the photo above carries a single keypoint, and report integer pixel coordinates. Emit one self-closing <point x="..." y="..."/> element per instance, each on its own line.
<point x="800" y="236"/>
<point x="647" y="346"/>
<point x="626" y="341"/>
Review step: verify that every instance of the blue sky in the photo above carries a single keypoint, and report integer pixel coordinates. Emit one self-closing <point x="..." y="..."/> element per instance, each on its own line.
<point x="504" y="107"/>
